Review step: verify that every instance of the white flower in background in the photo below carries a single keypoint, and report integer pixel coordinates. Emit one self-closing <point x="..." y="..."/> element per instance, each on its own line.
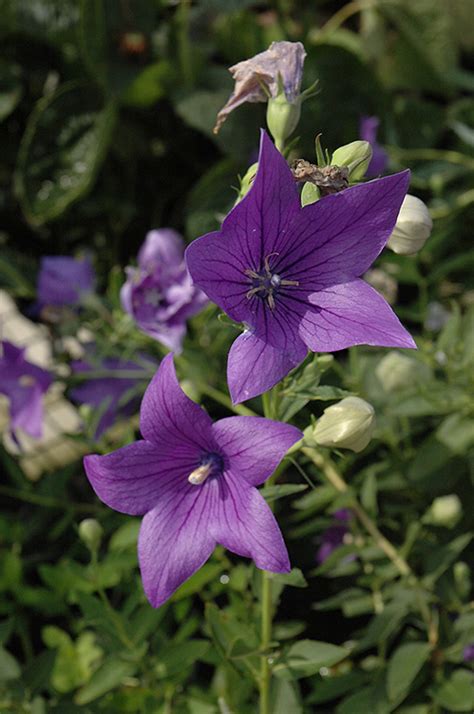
<point x="397" y="372"/>
<point x="413" y="227"/>
<point x="444" y="511"/>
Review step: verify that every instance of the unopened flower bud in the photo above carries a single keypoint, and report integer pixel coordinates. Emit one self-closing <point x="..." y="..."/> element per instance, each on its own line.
<point x="462" y="578"/>
<point x="90" y="532"/>
<point x="445" y="511"/>
<point x="356" y="156"/>
<point x="397" y="372"/>
<point x="412" y="228"/>
<point x="346" y="425"/>
<point x="282" y="117"/>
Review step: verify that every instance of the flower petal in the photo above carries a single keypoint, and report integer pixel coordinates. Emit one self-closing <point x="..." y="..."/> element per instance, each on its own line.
<point x="135" y="478"/>
<point x="352" y="313"/>
<point x="174" y="541"/>
<point x="339" y="237"/>
<point x="244" y="524"/>
<point x="254" y="367"/>
<point x="168" y="417"/>
<point x="26" y="409"/>
<point x="161" y="246"/>
<point x="254" y="446"/>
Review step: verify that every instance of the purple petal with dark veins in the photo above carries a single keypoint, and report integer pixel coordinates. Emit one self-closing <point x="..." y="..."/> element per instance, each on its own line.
<point x="254" y="366"/>
<point x="245" y="525"/>
<point x="348" y="314"/>
<point x="169" y="417"/>
<point x="254" y="446"/>
<point x="175" y="540"/>
<point x="135" y="478"/>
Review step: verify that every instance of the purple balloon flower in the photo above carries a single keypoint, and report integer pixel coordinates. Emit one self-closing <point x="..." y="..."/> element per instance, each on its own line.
<point x="113" y="396"/>
<point x="160" y="294"/>
<point x="368" y="132"/>
<point x="24" y="384"/>
<point x="63" y="280"/>
<point x="291" y="274"/>
<point x="195" y="482"/>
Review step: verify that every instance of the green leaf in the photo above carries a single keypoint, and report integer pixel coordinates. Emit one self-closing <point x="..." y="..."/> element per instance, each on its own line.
<point x="125" y="537"/>
<point x="108" y="677"/>
<point x="301" y="387"/>
<point x="11" y="89"/>
<point x="383" y="625"/>
<point x="457" y="693"/>
<point x="295" y="578"/>
<point x="65" y="142"/>
<point x="327" y="688"/>
<point x="306" y="658"/>
<point x="404" y="666"/>
<point x="235" y="641"/>
<point x="175" y="657"/>
<point x="272" y="493"/>
<point x="196" y="582"/>
<point x="285" y="697"/>
<point x="442" y="557"/>
<point x="9" y="667"/>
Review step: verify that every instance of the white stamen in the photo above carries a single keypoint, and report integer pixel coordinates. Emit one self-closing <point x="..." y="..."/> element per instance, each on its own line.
<point x="199" y="475"/>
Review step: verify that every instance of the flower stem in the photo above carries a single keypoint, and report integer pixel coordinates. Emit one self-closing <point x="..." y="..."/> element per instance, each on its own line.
<point x="269" y="409"/>
<point x="333" y="476"/>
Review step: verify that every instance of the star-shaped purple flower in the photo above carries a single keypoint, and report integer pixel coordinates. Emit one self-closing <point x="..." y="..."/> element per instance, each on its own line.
<point x="24" y="384"/>
<point x="291" y="274"/>
<point x="159" y="294"/>
<point x="63" y="280"/>
<point x="195" y="482"/>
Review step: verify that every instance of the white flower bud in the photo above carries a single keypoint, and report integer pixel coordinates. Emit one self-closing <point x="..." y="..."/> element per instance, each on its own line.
<point x="397" y="372"/>
<point x="412" y="228"/>
<point x="445" y="511"/>
<point x="90" y="532"/>
<point x="356" y="156"/>
<point x="346" y="425"/>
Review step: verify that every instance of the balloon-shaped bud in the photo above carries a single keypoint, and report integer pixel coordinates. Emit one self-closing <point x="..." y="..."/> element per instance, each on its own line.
<point x="349" y="424"/>
<point x="413" y="227"/>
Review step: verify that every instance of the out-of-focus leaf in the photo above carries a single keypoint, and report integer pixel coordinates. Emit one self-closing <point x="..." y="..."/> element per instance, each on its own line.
<point x="175" y="657"/>
<point x="306" y="657"/>
<point x="330" y="687"/>
<point x="457" y="693"/>
<point x="295" y="578"/>
<point x="300" y="388"/>
<point x="285" y="697"/>
<point x="457" y="433"/>
<point x="11" y="88"/>
<point x="272" y="493"/>
<point x="64" y="144"/>
<point x="403" y="667"/>
<point x="109" y="676"/>
<point x="196" y="582"/>
<point x="9" y="667"/>
<point x="442" y="557"/>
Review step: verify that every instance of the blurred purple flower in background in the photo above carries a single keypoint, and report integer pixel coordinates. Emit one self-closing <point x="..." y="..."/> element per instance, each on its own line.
<point x="195" y="482"/>
<point x="113" y="395"/>
<point x="368" y="129"/>
<point x="333" y="537"/>
<point x="468" y="653"/>
<point x="159" y="294"/>
<point x="63" y="280"/>
<point x="292" y="274"/>
<point x="257" y="78"/>
<point x="24" y="384"/>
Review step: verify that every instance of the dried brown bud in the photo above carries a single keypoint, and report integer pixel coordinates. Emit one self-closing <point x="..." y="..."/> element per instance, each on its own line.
<point x="329" y="179"/>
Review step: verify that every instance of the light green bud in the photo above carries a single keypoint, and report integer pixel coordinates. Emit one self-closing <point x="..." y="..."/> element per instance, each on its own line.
<point x="413" y="227"/>
<point x="397" y="372"/>
<point x="282" y="118"/>
<point x="444" y="511"/>
<point x="356" y="156"/>
<point x="462" y="578"/>
<point x="309" y="194"/>
<point x="90" y="532"/>
<point x="349" y="424"/>
<point x="246" y="181"/>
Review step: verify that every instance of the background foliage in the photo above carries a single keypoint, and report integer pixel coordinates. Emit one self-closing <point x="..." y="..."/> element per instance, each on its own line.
<point x="106" y="115"/>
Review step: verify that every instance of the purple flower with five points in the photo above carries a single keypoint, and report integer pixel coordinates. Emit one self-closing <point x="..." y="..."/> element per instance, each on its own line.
<point x="24" y="384"/>
<point x="159" y="294"/>
<point x="333" y="537"/>
<point x="113" y="395"/>
<point x="194" y="481"/>
<point x="63" y="280"/>
<point x="368" y="132"/>
<point x="292" y="274"/>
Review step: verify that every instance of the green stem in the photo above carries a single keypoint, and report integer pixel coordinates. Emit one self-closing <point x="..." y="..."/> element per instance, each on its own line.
<point x="269" y="410"/>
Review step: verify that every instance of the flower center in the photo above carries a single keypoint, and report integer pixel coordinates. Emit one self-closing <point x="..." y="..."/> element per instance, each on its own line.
<point x="26" y="380"/>
<point x="266" y="284"/>
<point x="211" y="464"/>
